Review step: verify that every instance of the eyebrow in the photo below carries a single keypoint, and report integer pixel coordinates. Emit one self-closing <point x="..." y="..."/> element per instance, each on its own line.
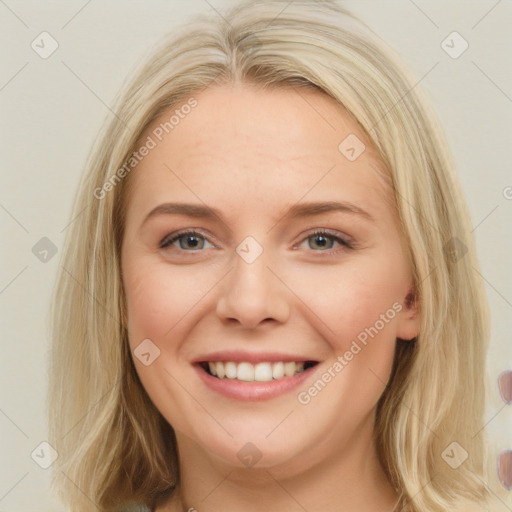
<point x="299" y="210"/>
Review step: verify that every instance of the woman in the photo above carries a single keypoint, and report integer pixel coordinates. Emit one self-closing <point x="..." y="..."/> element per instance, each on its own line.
<point x="305" y="351"/>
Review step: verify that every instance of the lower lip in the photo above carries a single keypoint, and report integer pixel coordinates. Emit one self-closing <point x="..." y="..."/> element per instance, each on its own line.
<point x="253" y="391"/>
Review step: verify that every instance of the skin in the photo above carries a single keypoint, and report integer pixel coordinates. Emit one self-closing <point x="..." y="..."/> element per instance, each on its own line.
<point x="252" y="154"/>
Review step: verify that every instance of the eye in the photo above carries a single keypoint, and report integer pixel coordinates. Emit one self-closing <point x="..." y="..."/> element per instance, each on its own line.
<point x="194" y="241"/>
<point x="189" y="241"/>
<point x="323" y="241"/>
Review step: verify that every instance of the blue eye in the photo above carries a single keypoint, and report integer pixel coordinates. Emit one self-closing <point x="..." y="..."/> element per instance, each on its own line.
<point x="189" y="241"/>
<point x="324" y="241"/>
<point x="194" y="241"/>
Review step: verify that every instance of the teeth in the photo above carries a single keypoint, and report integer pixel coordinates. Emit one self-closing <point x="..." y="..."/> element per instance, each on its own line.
<point x="261" y="372"/>
<point x="219" y="369"/>
<point x="289" y="369"/>
<point x="231" y="371"/>
<point x="278" y="370"/>
<point x="244" y="371"/>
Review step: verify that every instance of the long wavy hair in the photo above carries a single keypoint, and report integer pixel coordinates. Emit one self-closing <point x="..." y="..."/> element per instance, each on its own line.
<point x="115" y="449"/>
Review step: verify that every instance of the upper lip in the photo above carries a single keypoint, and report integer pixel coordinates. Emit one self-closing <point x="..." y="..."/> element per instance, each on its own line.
<point x="238" y="356"/>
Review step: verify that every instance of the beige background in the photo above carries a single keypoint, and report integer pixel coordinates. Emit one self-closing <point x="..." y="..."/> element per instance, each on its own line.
<point x="52" y="108"/>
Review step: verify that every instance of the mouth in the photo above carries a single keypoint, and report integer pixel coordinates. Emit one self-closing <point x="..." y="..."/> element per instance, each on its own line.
<point x="259" y="372"/>
<point x="251" y="376"/>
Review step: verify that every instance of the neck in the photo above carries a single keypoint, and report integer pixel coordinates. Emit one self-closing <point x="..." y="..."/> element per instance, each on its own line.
<point x="349" y="479"/>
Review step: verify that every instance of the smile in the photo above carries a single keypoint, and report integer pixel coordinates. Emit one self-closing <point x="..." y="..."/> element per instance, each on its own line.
<point x="260" y="372"/>
<point x="260" y="378"/>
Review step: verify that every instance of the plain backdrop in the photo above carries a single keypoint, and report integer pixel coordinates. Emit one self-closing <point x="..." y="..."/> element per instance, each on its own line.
<point x="53" y="107"/>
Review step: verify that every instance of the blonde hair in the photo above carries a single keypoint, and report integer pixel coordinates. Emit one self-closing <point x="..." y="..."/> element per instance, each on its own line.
<point x="115" y="448"/>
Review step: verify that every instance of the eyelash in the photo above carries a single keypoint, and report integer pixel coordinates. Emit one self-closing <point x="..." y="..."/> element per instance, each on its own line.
<point x="167" y="242"/>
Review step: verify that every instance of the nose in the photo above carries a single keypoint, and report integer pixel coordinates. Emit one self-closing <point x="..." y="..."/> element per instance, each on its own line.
<point x="251" y="294"/>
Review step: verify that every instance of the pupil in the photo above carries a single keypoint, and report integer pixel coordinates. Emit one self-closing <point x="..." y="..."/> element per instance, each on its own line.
<point x="322" y="241"/>
<point x="192" y="240"/>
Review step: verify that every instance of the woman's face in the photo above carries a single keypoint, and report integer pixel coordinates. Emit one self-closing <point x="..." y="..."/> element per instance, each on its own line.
<point x="296" y="262"/>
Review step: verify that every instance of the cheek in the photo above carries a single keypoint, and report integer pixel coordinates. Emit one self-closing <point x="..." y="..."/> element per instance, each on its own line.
<point x="346" y="300"/>
<point x="149" y="302"/>
<point x="160" y="304"/>
<point x="360" y="307"/>
<point x="158" y="299"/>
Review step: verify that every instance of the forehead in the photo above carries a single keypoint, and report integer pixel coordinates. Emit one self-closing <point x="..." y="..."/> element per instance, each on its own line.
<point x="244" y="145"/>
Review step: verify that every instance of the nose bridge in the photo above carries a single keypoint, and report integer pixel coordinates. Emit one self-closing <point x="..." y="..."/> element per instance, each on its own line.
<point x="250" y="279"/>
<point x="251" y="293"/>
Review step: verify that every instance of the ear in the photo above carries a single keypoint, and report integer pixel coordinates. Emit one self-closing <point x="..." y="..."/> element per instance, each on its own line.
<point x="410" y="319"/>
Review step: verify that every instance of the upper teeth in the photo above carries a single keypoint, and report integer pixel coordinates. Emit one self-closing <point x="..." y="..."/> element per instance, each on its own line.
<point x="260" y="372"/>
